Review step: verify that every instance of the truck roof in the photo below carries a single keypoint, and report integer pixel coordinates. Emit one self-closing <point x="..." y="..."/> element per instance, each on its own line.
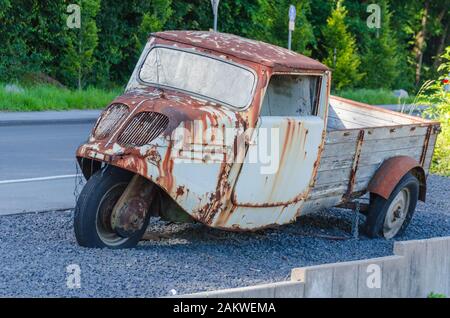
<point x="278" y="58"/>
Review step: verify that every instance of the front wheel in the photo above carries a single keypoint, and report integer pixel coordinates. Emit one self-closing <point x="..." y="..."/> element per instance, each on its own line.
<point x="92" y="220"/>
<point x="390" y="218"/>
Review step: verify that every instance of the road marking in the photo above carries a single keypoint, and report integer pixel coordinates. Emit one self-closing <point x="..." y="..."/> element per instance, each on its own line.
<point x="65" y="176"/>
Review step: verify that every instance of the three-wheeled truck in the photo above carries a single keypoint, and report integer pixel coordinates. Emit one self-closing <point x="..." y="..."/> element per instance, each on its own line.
<point x="227" y="95"/>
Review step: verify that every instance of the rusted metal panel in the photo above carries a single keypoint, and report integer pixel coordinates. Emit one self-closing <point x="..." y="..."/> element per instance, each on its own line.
<point x="264" y="183"/>
<point x="130" y="211"/>
<point x="279" y="59"/>
<point x="390" y="173"/>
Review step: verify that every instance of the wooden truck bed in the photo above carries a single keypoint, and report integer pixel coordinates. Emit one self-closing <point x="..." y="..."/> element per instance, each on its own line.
<point x="359" y="138"/>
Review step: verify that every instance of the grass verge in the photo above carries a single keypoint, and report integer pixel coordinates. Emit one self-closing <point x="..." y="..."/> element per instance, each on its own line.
<point x="46" y="97"/>
<point x="374" y="96"/>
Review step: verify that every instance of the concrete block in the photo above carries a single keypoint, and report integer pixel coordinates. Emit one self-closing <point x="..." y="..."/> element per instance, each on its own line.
<point x="395" y="277"/>
<point x="318" y="280"/>
<point x="289" y="290"/>
<point x="415" y="252"/>
<point x="345" y="280"/>
<point x="437" y="265"/>
<point x="448" y="266"/>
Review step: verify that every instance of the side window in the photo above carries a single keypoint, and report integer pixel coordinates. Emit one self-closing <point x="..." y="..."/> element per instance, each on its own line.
<point x="291" y="95"/>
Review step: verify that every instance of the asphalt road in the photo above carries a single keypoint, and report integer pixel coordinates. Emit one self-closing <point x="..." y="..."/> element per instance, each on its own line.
<point x="37" y="166"/>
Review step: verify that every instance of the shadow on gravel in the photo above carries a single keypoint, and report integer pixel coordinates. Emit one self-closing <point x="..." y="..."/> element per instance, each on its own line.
<point x="325" y="226"/>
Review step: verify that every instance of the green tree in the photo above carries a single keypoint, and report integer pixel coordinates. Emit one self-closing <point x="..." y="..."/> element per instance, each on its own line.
<point x="341" y="52"/>
<point x="124" y="27"/>
<point x="276" y="18"/>
<point x="379" y="57"/>
<point x="31" y="37"/>
<point x="153" y="19"/>
<point x="79" y="57"/>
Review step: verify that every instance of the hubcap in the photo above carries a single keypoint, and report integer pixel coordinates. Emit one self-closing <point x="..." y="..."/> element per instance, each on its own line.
<point x="396" y="214"/>
<point x="104" y="211"/>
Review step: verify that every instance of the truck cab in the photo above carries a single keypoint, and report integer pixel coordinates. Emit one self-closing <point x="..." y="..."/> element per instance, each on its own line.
<point x="226" y="131"/>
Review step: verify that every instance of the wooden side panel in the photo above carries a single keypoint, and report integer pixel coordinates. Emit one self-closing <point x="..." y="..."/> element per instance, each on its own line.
<point x="379" y="143"/>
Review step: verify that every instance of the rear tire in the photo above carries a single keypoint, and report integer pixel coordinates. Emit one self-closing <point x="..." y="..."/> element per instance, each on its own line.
<point x="94" y="207"/>
<point x="390" y="218"/>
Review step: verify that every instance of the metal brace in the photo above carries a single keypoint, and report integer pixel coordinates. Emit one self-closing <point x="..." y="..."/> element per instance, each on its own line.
<point x="355" y="223"/>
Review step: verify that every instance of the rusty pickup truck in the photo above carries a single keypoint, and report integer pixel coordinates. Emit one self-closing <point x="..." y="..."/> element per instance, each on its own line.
<point x="242" y="135"/>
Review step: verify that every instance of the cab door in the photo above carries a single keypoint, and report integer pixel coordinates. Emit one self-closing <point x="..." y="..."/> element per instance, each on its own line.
<point x="282" y="154"/>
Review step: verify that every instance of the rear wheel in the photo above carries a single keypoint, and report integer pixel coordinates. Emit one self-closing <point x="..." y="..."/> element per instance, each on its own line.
<point x="92" y="221"/>
<point x="390" y="218"/>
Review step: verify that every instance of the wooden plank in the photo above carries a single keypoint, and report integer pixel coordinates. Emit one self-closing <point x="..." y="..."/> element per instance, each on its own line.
<point x="361" y="184"/>
<point x="365" y="119"/>
<point x="338" y="175"/>
<point x="341" y="136"/>
<point x="397" y="117"/>
<point x="332" y="176"/>
<point x="335" y="189"/>
<point x="321" y="203"/>
<point x="369" y="146"/>
<point x="395" y="132"/>
<point x="341" y="123"/>
<point x="375" y="114"/>
<point x="331" y="163"/>
<point x="344" y="136"/>
<point x="366" y="159"/>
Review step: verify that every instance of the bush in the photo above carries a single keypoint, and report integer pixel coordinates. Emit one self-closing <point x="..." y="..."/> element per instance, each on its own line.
<point x="373" y="96"/>
<point x="433" y="94"/>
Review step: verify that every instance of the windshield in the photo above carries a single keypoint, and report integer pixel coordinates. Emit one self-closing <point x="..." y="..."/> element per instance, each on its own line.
<point x="199" y="74"/>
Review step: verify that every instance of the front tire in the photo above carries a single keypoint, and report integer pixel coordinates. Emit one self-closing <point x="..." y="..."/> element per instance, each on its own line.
<point x="92" y="220"/>
<point x="390" y="218"/>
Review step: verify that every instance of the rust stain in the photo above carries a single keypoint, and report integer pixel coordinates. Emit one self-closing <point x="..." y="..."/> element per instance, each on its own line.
<point x="425" y="146"/>
<point x="180" y="191"/>
<point x="354" y="169"/>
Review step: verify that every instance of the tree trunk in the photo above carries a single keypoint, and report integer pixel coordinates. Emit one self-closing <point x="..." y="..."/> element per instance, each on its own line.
<point x="420" y="41"/>
<point x="441" y="46"/>
<point x="81" y="61"/>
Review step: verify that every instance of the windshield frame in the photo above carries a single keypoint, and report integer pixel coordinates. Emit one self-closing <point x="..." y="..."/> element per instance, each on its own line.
<point x="194" y="51"/>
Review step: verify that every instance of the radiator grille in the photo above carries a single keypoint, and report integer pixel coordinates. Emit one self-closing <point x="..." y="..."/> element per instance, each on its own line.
<point x="143" y="128"/>
<point x="110" y="118"/>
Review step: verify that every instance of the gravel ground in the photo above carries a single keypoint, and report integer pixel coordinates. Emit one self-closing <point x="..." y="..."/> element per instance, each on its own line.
<point x="36" y="248"/>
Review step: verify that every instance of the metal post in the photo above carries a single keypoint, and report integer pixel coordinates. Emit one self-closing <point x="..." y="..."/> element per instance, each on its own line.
<point x="292" y="14"/>
<point x="215" y="23"/>
<point x="289" y="39"/>
<point x="215" y="8"/>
